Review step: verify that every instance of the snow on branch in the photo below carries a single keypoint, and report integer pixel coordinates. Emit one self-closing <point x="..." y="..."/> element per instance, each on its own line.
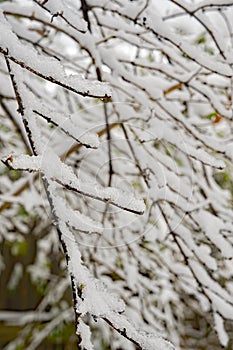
<point x="192" y="8"/>
<point x="80" y="135"/>
<point x="57" y="8"/>
<point x="47" y="68"/>
<point x="51" y="166"/>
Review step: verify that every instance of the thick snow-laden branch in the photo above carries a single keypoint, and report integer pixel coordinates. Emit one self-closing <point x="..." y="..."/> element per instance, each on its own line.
<point x="54" y="169"/>
<point x="44" y="67"/>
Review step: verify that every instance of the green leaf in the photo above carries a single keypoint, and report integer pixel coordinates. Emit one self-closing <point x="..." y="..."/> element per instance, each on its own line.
<point x="19" y="248"/>
<point x="22" y="211"/>
<point x="210" y="115"/>
<point x="200" y="40"/>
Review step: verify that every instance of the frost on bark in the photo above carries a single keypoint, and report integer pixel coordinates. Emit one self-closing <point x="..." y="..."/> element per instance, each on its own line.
<point x="116" y="119"/>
